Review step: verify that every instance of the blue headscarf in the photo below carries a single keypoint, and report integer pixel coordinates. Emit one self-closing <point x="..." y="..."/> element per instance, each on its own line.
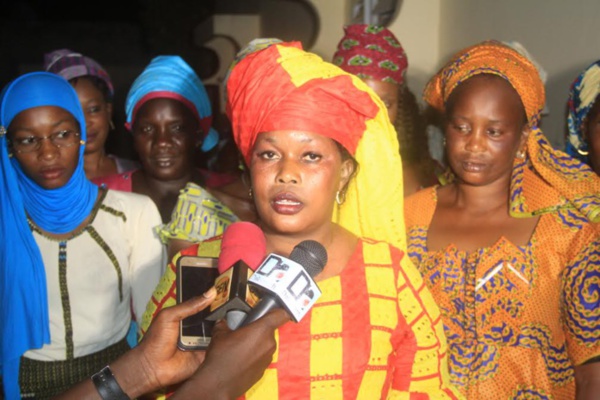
<point x="24" y="320"/>
<point x="585" y="89"/>
<point x="171" y="77"/>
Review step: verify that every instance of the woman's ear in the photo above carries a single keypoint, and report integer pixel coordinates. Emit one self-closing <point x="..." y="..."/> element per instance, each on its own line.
<point x="347" y="170"/>
<point x="109" y="110"/>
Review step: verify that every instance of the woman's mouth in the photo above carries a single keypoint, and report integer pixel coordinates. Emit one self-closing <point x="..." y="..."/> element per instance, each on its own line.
<point x="287" y="204"/>
<point x="472" y="166"/>
<point x="52" y="173"/>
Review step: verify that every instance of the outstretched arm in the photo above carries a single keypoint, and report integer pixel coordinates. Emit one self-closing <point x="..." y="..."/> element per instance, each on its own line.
<point x="156" y="362"/>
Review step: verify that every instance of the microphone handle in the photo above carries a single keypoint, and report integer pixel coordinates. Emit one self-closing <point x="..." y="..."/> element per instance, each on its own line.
<point x="264" y="305"/>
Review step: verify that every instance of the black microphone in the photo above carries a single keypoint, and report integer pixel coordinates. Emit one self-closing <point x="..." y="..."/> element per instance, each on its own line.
<point x="288" y="282"/>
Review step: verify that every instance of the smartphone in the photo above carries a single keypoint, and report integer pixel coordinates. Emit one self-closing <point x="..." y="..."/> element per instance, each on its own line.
<point x="195" y="275"/>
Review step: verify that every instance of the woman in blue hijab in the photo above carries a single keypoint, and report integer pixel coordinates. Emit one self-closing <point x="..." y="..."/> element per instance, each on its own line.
<point x="75" y="259"/>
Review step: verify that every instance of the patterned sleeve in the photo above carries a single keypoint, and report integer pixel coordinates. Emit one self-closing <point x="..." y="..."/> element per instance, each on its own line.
<point x="420" y="364"/>
<point x="581" y="301"/>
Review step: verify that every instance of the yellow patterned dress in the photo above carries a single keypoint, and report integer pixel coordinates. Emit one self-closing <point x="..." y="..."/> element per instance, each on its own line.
<point x="374" y="333"/>
<point x="517" y="319"/>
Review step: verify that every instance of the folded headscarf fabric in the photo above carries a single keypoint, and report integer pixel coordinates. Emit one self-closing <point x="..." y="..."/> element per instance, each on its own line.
<point x="284" y="87"/>
<point x="571" y="184"/>
<point x="172" y="78"/>
<point x="582" y="97"/>
<point x="371" y="52"/>
<point x="23" y="298"/>
<point x="70" y="65"/>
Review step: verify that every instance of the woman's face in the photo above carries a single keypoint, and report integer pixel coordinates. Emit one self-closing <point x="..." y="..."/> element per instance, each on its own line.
<point x="98" y="113"/>
<point x="592" y="133"/>
<point x="295" y="176"/>
<point x="50" y="166"/>
<point x="165" y="134"/>
<point x="389" y="94"/>
<point x="485" y="128"/>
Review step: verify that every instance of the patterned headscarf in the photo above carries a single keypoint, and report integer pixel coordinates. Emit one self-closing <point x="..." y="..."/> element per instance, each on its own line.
<point x="172" y="78"/>
<point x="568" y="184"/>
<point x="584" y="93"/>
<point x="371" y="52"/>
<point x="284" y="87"/>
<point x="24" y="320"/>
<point x="70" y="65"/>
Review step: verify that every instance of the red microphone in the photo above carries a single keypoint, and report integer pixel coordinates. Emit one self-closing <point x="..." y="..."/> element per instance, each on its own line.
<point x="243" y="248"/>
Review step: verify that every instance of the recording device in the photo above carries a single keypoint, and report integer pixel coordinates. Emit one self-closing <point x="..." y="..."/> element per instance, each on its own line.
<point x="243" y="247"/>
<point x="288" y="282"/>
<point x="195" y="275"/>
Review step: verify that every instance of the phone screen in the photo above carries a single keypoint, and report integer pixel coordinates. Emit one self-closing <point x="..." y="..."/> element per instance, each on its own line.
<point x="195" y="276"/>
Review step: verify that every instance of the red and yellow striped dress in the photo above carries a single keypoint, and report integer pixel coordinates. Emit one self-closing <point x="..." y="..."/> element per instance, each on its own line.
<point x="374" y="333"/>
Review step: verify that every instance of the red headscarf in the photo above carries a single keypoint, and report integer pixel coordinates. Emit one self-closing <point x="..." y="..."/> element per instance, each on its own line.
<point x="265" y="95"/>
<point x="371" y="52"/>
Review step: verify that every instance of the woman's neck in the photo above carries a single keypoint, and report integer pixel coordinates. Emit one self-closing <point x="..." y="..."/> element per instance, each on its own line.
<point x="284" y="243"/>
<point x="98" y="164"/>
<point x="480" y="199"/>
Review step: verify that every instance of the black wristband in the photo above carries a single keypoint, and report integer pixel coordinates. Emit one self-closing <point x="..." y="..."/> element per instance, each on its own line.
<point x="107" y="386"/>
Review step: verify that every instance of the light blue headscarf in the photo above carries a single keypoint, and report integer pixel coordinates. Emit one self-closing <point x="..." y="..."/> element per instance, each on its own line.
<point x="171" y="77"/>
<point x="24" y="320"/>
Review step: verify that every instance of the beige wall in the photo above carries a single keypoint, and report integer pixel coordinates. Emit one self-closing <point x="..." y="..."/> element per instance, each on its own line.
<point x="417" y="27"/>
<point x="333" y="16"/>
<point x="561" y="35"/>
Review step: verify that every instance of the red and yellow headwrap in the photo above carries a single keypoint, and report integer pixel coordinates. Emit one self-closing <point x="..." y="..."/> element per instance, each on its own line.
<point x="547" y="179"/>
<point x="371" y="52"/>
<point x="284" y="87"/>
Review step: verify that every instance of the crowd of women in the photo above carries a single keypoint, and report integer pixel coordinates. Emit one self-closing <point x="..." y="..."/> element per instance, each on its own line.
<point x="476" y="276"/>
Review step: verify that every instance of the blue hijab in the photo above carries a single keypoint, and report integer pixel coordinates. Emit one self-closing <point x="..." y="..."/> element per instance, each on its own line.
<point x="171" y="77"/>
<point x="24" y="320"/>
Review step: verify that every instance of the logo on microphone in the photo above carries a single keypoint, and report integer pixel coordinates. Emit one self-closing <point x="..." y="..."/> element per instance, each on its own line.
<point x="289" y="282"/>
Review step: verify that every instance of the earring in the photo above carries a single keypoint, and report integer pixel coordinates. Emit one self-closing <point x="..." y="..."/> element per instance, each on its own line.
<point x="250" y="193"/>
<point x="10" y="155"/>
<point x="444" y="141"/>
<point x="340" y="197"/>
<point x="521" y="154"/>
<point x="82" y="142"/>
<point x="111" y="124"/>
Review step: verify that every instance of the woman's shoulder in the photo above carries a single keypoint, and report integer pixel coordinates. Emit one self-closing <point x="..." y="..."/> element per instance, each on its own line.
<point x="420" y="206"/>
<point x="130" y="204"/>
<point x="119" y="181"/>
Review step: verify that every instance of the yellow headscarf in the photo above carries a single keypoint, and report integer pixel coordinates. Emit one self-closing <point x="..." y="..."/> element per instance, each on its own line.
<point x="285" y="87"/>
<point x="547" y="179"/>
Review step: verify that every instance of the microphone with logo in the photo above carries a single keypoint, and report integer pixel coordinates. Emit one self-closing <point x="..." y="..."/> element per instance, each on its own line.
<point x="288" y="282"/>
<point x="243" y="247"/>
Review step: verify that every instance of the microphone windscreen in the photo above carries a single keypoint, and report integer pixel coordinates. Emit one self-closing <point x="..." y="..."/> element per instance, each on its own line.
<point x="311" y="255"/>
<point x="242" y="241"/>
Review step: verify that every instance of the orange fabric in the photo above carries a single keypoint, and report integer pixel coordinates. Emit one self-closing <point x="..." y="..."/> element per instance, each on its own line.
<point x="489" y="57"/>
<point x="571" y="184"/>
<point x="263" y="97"/>
<point x="517" y="319"/>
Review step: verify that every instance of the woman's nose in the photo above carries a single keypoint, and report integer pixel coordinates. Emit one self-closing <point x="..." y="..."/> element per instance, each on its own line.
<point x="288" y="172"/>
<point x="475" y="142"/>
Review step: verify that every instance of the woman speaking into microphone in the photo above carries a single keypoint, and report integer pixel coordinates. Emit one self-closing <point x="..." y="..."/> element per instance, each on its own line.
<point x="319" y="149"/>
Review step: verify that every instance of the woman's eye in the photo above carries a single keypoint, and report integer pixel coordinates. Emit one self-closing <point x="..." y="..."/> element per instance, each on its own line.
<point x="26" y="141"/>
<point x="312" y="156"/>
<point x="94" y="109"/>
<point x="494" y="132"/>
<point x="461" y="128"/>
<point x="267" y="155"/>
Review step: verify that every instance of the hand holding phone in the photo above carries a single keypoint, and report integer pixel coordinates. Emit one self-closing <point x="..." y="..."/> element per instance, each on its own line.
<point x="195" y="275"/>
